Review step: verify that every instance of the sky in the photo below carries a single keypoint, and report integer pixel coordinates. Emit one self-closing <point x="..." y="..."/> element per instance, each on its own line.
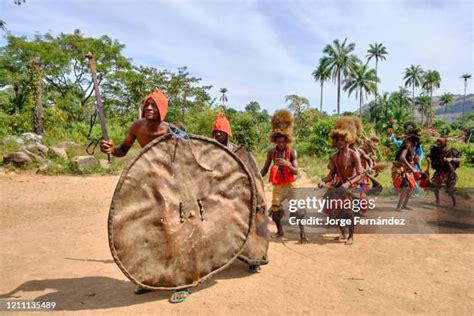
<point x="263" y="50"/>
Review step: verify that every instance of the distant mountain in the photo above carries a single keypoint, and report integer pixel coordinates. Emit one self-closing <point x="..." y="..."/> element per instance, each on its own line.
<point x="454" y="109"/>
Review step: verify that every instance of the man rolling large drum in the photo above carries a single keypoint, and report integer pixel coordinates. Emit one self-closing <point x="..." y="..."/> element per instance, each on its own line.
<point x="182" y="210"/>
<point x="255" y="254"/>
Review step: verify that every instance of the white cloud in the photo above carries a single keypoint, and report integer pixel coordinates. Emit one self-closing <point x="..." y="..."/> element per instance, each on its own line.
<point x="265" y="50"/>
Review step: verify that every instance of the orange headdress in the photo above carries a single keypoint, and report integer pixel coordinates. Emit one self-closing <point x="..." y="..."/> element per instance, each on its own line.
<point x="160" y="100"/>
<point x="222" y="124"/>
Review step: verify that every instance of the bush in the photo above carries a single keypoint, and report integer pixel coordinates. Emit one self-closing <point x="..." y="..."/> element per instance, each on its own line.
<point x="15" y="124"/>
<point x="467" y="152"/>
<point x="319" y="140"/>
<point x="303" y="148"/>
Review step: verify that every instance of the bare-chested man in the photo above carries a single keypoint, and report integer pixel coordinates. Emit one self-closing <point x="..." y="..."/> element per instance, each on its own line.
<point x="144" y="130"/>
<point x="345" y="171"/>
<point x="403" y="170"/>
<point x="445" y="161"/>
<point x="368" y="160"/>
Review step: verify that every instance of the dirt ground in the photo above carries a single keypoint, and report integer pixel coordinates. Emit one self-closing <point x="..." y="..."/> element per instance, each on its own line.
<point x="54" y="248"/>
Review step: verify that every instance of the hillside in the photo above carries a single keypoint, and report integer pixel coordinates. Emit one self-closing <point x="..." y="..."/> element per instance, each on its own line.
<point x="453" y="112"/>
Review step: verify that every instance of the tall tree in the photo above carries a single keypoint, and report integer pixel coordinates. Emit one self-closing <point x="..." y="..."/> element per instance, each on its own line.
<point x="66" y="70"/>
<point x="401" y="97"/>
<point x="465" y="76"/>
<point x="361" y="79"/>
<point x="431" y="81"/>
<point x="322" y="74"/>
<point x="377" y="51"/>
<point x="298" y="105"/>
<point x="36" y="79"/>
<point x="340" y="60"/>
<point x="423" y="102"/>
<point x="413" y="77"/>
<point x="446" y="99"/>
<point x="223" y="97"/>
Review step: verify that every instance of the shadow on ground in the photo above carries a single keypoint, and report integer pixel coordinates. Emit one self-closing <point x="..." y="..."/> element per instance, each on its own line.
<point x="99" y="292"/>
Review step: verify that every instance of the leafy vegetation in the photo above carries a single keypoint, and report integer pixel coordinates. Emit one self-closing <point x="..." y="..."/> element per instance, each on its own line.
<point x="46" y="87"/>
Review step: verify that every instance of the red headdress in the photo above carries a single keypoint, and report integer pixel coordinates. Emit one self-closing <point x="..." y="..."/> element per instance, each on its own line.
<point x="160" y="100"/>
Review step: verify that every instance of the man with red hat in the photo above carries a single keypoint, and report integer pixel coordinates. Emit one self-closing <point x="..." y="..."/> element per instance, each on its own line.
<point x="144" y="130"/>
<point x="221" y="131"/>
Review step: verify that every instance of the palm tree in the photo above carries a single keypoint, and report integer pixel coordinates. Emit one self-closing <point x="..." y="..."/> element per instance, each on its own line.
<point x="362" y="79"/>
<point x="377" y="51"/>
<point x="413" y="76"/>
<point x="446" y="98"/>
<point x="431" y="81"/>
<point x="223" y="97"/>
<point x="465" y="76"/>
<point x="322" y="74"/>
<point x="340" y="61"/>
<point x="423" y="102"/>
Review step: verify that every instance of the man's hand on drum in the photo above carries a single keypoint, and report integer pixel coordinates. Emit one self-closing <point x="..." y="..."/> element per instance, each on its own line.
<point x="106" y="146"/>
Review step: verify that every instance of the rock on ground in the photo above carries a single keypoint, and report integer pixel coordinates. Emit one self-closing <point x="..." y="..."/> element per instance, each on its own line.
<point x="38" y="149"/>
<point x="45" y="166"/>
<point x="33" y="156"/>
<point x="82" y="163"/>
<point x="19" y="158"/>
<point x="32" y="138"/>
<point x="57" y="152"/>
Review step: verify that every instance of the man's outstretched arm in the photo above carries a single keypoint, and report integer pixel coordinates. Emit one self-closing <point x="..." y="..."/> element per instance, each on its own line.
<point x="107" y="146"/>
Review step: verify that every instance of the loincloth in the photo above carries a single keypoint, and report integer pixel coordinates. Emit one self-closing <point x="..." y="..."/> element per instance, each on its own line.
<point x="402" y="178"/>
<point x="444" y="177"/>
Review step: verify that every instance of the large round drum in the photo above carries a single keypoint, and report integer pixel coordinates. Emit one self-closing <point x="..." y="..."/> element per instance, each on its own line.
<point x="256" y="252"/>
<point x="182" y="211"/>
